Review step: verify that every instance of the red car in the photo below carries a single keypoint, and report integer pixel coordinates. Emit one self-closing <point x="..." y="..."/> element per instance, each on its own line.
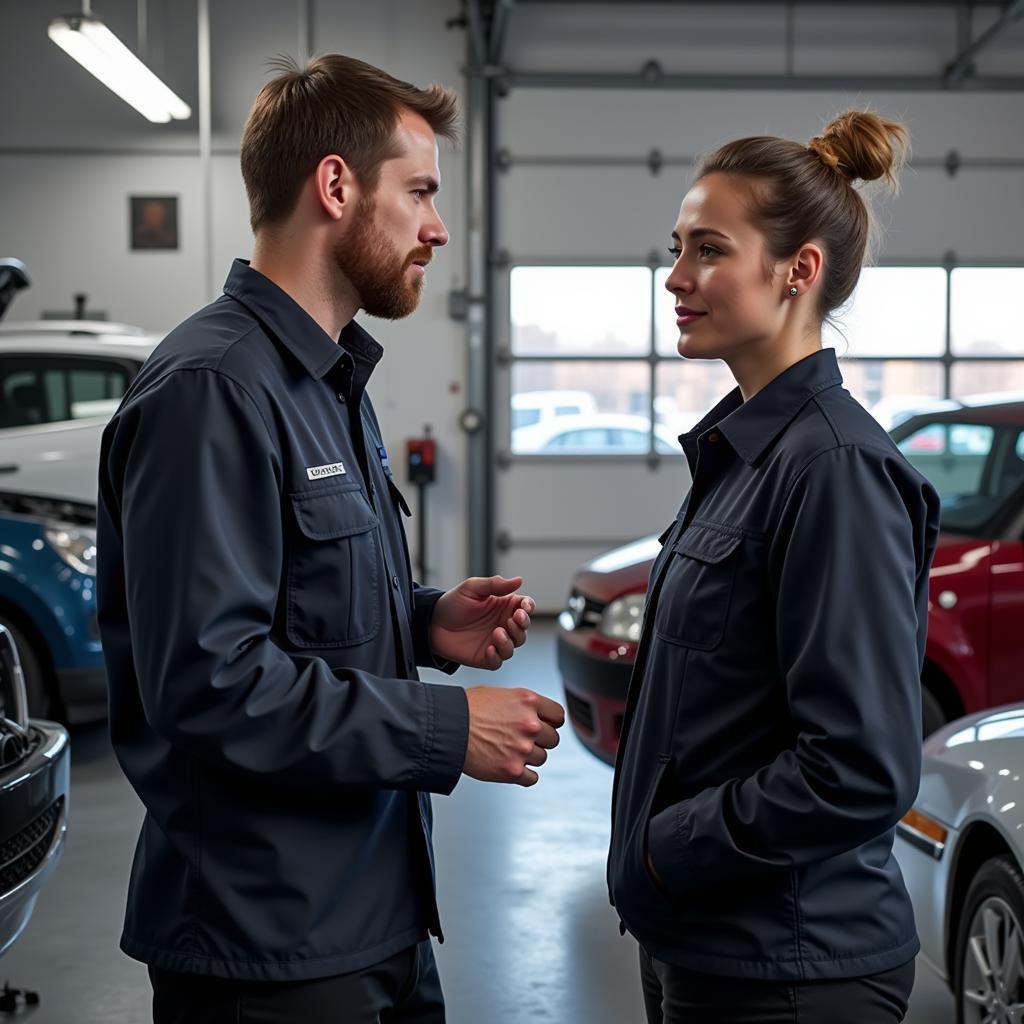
<point x="974" y="456"/>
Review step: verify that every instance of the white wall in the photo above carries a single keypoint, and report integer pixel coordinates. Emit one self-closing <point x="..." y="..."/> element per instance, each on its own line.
<point x="65" y="211"/>
<point x="593" y="212"/>
<point x="71" y="153"/>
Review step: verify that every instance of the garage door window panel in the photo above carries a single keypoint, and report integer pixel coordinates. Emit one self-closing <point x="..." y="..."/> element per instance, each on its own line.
<point x="985" y="311"/>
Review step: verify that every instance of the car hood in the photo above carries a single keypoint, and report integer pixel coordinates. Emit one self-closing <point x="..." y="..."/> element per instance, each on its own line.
<point x="59" y="460"/>
<point x="974" y="766"/>
<point x="622" y="571"/>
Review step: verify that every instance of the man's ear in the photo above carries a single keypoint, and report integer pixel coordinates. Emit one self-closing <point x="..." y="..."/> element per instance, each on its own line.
<point x="805" y="267"/>
<point x="334" y="186"/>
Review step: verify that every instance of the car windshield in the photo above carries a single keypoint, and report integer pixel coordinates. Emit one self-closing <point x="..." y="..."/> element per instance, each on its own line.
<point x="977" y="468"/>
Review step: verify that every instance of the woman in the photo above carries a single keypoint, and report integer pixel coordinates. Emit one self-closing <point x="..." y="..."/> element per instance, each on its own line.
<point x="772" y="736"/>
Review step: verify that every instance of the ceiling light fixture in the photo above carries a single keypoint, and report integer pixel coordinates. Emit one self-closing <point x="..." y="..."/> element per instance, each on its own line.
<point x="102" y="54"/>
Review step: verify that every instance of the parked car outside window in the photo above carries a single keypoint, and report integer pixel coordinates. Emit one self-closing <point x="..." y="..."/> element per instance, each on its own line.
<point x="532" y="407"/>
<point x="594" y="434"/>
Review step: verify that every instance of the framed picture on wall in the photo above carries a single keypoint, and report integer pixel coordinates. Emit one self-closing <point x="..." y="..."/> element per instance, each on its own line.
<point x="154" y="222"/>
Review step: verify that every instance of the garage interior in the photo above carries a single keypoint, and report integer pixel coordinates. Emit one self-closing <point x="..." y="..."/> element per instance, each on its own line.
<point x="582" y="124"/>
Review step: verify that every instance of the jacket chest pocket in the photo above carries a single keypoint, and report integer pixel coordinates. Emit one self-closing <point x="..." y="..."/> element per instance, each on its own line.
<point x="693" y="605"/>
<point x="334" y="557"/>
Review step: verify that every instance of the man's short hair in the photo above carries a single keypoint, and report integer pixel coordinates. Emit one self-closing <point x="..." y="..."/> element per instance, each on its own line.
<point x="335" y="104"/>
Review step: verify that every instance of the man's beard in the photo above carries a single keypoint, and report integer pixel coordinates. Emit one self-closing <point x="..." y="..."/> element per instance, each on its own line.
<point x="376" y="269"/>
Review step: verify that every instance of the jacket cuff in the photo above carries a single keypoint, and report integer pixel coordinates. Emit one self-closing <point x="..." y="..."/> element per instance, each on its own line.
<point x="666" y="844"/>
<point x="423" y="614"/>
<point x="444" y="753"/>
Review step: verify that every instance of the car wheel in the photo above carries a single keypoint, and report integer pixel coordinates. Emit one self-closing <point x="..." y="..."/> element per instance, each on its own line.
<point x="42" y="703"/>
<point x="989" y="977"/>
<point x="932" y="715"/>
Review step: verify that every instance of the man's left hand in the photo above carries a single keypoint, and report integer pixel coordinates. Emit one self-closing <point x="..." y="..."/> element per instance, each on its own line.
<point x="481" y="622"/>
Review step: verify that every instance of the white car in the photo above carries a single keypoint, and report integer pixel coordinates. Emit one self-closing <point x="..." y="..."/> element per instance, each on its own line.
<point x="530" y="408"/>
<point x="961" y="848"/>
<point x="55" y="370"/>
<point x="596" y="434"/>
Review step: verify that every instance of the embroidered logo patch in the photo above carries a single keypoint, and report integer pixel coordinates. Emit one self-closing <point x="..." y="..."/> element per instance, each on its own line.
<point x="316" y="472"/>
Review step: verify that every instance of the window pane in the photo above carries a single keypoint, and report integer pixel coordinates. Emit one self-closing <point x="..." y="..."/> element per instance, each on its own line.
<point x="894" y="311"/>
<point x="558" y="399"/>
<point x="666" y="333"/>
<point x="687" y="389"/>
<point x="56" y="382"/>
<point x="22" y="400"/>
<point x="981" y="381"/>
<point x="973" y="466"/>
<point x="893" y="391"/>
<point x="580" y="310"/>
<point x="985" y="311"/>
<point x="96" y="392"/>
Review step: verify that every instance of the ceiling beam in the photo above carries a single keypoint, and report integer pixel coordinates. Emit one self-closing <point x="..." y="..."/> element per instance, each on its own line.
<point x="963" y="63"/>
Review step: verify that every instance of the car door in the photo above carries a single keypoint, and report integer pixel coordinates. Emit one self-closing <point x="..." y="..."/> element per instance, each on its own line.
<point x="1006" y="659"/>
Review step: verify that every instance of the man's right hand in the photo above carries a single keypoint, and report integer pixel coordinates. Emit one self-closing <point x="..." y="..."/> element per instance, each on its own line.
<point x="509" y="730"/>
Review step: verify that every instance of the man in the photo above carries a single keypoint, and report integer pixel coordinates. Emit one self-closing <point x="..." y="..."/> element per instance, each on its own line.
<point x="258" y="614"/>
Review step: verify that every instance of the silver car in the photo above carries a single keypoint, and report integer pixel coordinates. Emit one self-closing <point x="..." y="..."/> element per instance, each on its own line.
<point x="961" y="848"/>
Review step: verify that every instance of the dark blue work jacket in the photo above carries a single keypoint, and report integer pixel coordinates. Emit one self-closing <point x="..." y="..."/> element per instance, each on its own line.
<point x="772" y="735"/>
<point x="262" y="632"/>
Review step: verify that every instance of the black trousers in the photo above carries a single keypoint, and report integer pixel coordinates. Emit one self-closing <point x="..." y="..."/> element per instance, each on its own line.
<point x="404" y="989"/>
<point x="673" y="995"/>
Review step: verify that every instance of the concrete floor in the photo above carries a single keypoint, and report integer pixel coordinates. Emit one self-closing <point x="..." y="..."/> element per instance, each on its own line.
<point x="530" y="934"/>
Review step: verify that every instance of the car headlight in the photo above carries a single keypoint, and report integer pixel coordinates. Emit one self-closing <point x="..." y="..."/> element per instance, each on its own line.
<point x="623" y="619"/>
<point x="76" y="545"/>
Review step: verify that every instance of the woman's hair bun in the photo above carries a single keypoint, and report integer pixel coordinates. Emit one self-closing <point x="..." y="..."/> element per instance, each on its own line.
<point x="862" y="146"/>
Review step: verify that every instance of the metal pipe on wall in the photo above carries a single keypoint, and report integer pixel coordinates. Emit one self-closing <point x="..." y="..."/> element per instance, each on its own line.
<point x="478" y="419"/>
<point x="205" y="146"/>
<point x="305" y="30"/>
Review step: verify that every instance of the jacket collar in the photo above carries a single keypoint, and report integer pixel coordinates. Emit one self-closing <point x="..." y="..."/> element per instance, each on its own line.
<point x="751" y="427"/>
<point x="294" y="328"/>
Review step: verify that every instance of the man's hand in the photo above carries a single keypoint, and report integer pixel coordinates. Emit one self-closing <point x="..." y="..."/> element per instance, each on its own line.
<point x="481" y="622"/>
<point x="509" y="730"/>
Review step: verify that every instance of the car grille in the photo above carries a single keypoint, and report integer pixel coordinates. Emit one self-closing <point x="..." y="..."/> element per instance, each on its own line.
<point x="581" y="712"/>
<point x="25" y="851"/>
<point x="584" y="611"/>
<point x="75" y="512"/>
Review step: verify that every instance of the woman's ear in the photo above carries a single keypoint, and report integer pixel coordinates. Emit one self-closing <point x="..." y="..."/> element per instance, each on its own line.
<point x="805" y="268"/>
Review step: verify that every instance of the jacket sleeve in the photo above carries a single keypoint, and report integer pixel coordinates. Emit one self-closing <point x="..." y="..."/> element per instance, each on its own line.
<point x="424" y="601"/>
<point x="196" y="474"/>
<point x="848" y="567"/>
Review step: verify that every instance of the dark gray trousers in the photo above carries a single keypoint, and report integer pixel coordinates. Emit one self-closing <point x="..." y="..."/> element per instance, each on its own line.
<point x="404" y="989"/>
<point x="674" y="995"/>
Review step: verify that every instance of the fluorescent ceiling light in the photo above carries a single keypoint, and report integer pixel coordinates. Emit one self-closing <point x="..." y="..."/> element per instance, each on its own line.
<point x="102" y="54"/>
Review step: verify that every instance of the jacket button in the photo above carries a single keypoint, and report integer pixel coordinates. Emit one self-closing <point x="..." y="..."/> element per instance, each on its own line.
<point x="341" y="397"/>
<point x="394" y="580"/>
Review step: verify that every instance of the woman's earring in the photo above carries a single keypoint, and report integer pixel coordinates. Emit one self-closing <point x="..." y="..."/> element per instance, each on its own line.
<point x="792" y="290"/>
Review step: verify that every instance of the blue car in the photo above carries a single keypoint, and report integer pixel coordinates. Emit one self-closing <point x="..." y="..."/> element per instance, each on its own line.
<point x="48" y="566"/>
